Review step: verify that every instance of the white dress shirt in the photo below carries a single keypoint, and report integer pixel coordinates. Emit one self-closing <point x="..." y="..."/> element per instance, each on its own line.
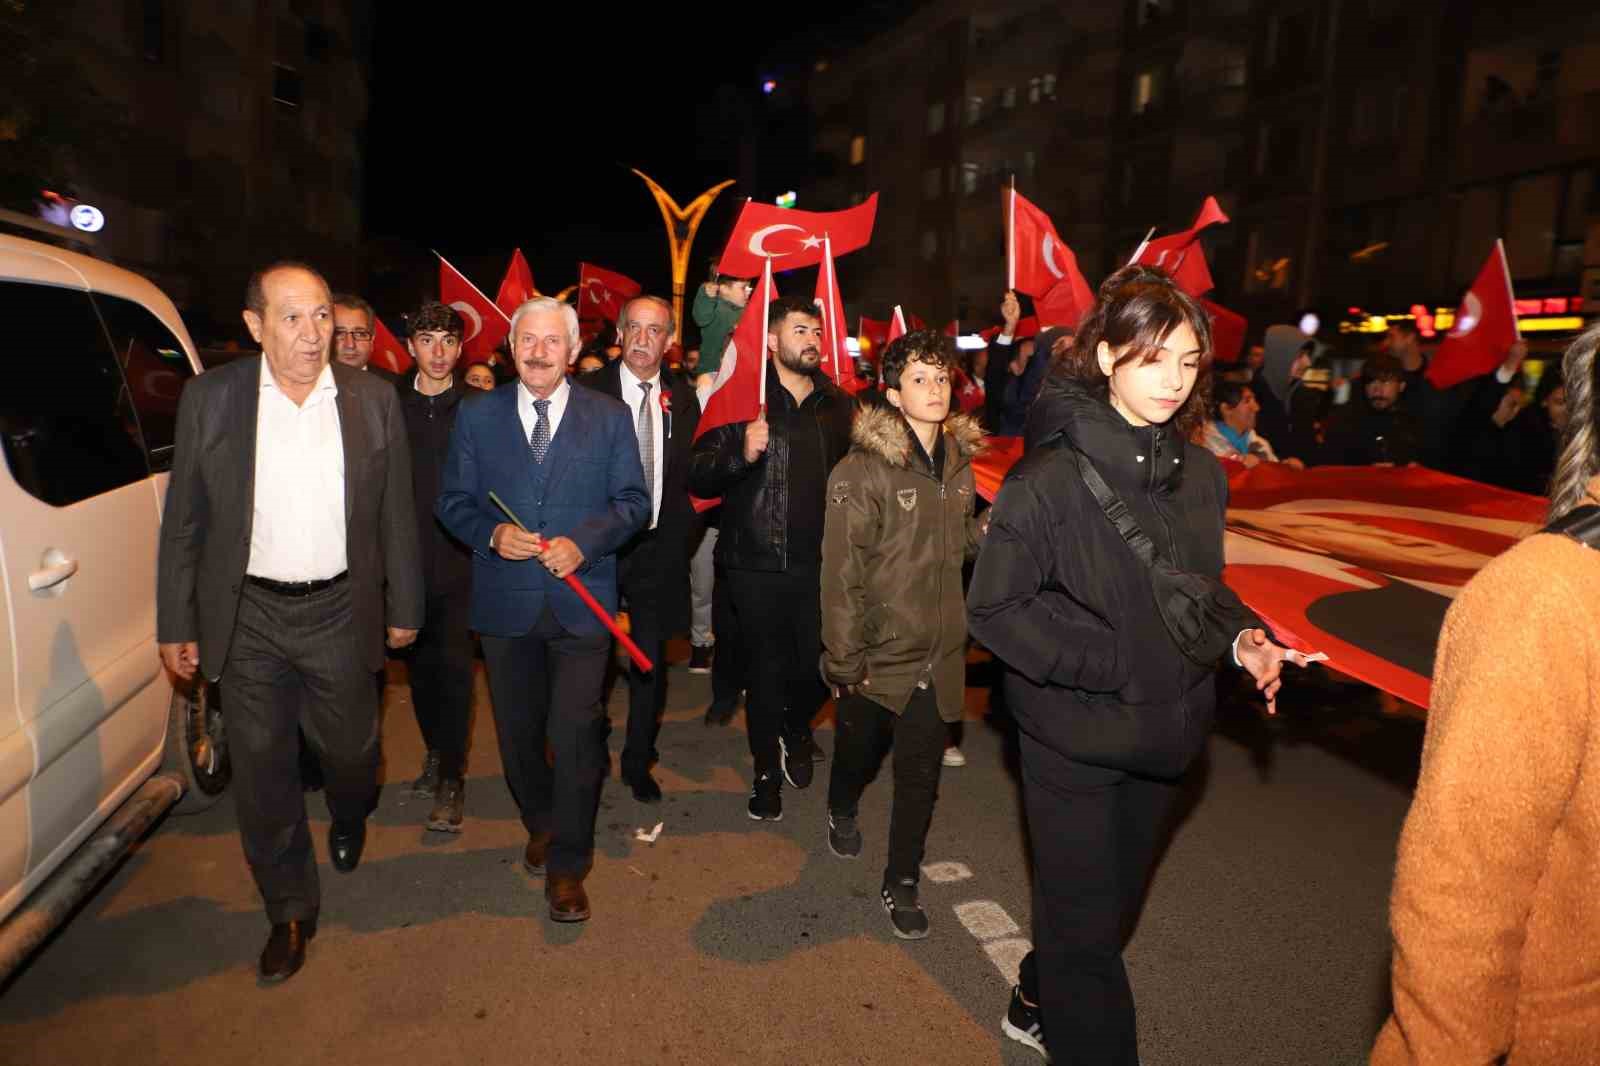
<point x="558" y="407"/>
<point x="632" y="393"/>
<point x="298" y="533"/>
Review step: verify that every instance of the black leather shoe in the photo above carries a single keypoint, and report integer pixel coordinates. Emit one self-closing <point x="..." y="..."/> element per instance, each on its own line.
<point x="645" y="789"/>
<point x="285" y="952"/>
<point x="345" y="843"/>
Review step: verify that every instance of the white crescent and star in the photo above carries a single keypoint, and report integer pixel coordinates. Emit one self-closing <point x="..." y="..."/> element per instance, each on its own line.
<point x="1048" y="250"/>
<point x="1469" y="315"/>
<point x="758" y="239"/>
<point x="469" y="313"/>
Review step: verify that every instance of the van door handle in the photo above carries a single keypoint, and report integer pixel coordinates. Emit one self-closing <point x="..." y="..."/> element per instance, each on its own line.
<point x="52" y="575"/>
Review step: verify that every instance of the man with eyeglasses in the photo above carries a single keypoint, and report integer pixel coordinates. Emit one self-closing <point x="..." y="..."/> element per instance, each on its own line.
<point x="441" y="660"/>
<point x="353" y="320"/>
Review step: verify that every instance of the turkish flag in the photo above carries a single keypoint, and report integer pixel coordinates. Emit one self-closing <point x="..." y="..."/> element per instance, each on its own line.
<point x="602" y="292"/>
<point x="872" y="334"/>
<point x="1485" y="327"/>
<point x="739" y="389"/>
<point x="516" y="288"/>
<point x="486" y="325"/>
<point x="1227" y="332"/>
<point x="1041" y="264"/>
<point x="897" y="324"/>
<point x="954" y="328"/>
<point x="836" y="360"/>
<point x="792" y="238"/>
<point x="1064" y="305"/>
<point x="387" y="351"/>
<point x="1181" y="255"/>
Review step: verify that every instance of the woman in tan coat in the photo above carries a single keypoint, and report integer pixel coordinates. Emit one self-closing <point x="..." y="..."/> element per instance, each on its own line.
<point x="894" y="625"/>
<point x="1496" y="903"/>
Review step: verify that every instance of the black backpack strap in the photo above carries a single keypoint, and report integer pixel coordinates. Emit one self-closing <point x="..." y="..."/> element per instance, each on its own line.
<point x="1116" y="510"/>
<point x="1582" y="524"/>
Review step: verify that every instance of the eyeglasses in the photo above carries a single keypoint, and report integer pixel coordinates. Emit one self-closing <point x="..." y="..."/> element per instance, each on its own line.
<point x="357" y="335"/>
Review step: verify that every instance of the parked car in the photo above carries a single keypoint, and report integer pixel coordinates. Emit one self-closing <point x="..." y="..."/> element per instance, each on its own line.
<point x="96" y="739"/>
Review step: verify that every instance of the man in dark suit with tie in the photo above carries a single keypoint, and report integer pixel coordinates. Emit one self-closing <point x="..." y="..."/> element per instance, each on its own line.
<point x="288" y="543"/>
<point x="566" y="462"/>
<point x="654" y="565"/>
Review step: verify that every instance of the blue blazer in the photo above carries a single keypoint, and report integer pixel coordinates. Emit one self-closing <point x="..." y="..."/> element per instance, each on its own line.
<point x="595" y="495"/>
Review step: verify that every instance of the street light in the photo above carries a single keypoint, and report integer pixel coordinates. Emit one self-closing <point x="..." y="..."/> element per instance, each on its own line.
<point x="681" y="222"/>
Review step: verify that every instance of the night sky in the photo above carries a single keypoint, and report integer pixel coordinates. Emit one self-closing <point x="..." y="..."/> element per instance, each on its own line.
<point x="490" y="130"/>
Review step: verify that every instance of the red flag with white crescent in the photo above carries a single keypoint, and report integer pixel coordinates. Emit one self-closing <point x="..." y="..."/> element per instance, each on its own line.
<point x="792" y="238"/>
<point x="516" y="288"/>
<point x="738" y="390"/>
<point x="1042" y="265"/>
<point x="837" y="361"/>
<point x="1485" y="327"/>
<point x="602" y="292"/>
<point x="387" y="351"/>
<point x="485" y="324"/>
<point x="1181" y="255"/>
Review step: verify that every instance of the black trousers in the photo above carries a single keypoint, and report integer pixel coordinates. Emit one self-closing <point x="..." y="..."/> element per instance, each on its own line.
<point x="863" y="732"/>
<point x="1095" y="833"/>
<point x="727" y="665"/>
<point x="296" y="664"/>
<point x="779" y="619"/>
<point x="647" y="693"/>
<point x="546" y="687"/>
<point x="441" y="679"/>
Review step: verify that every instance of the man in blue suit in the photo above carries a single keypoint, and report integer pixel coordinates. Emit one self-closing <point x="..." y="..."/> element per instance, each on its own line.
<point x="566" y="462"/>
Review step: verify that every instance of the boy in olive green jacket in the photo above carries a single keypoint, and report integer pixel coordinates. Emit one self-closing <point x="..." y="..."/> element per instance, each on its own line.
<point x="899" y="526"/>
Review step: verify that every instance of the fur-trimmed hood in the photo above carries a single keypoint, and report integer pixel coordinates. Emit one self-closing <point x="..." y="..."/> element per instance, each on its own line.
<point x="881" y="430"/>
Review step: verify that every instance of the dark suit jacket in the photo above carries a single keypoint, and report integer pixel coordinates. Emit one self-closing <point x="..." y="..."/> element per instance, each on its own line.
<point x="654" y="564"/>
<point x="210" y="511"/>
<point x="594" y="495"/>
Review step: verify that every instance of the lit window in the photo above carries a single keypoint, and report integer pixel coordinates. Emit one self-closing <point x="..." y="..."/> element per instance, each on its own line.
<point x="974" y="109"/>
<point x="970" y="174"/>
<point x="858" y="150"/>
<point x="1008" y="97"/>
<point x="936" y="117"/>
<point x="1146" y="91"/>
<point x="1033" y="90"/>
<point x="1049" y="86"/>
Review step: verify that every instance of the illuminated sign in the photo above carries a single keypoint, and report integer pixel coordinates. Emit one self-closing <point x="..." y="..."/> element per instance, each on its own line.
<point x="87" y="218"/>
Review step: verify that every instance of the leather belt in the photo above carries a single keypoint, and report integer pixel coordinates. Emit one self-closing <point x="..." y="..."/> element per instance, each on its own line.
<point x="296" y="588"/>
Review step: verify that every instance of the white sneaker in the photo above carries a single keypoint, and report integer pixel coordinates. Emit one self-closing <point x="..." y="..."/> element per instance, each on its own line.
<point x="953" y="756"/>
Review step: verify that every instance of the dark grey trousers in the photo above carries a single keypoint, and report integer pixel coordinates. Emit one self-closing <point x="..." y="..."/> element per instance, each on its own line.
<point x="296" y="662"/>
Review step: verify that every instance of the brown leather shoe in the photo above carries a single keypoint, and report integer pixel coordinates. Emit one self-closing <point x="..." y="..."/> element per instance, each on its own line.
<point x="568" y="901"/>
<point x="533" y="857"/>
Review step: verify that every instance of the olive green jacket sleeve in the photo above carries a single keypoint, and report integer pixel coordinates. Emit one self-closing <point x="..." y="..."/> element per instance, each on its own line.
<point x="850" y="531"/>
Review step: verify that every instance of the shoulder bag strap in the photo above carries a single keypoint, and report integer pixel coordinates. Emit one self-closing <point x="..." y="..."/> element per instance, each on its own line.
<point x="1116" y="510"/>
<point x="1582" y="524"/>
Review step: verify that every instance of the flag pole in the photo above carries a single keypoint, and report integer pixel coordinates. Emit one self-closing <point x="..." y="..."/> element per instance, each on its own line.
<point x="474" y="288"/>
<point x="1011" y="237"/>
<point x="766" y="325"/>
<point x="1137" y="252"/>
<point x="1511" y="293"/>
<point x="833" y="310"/>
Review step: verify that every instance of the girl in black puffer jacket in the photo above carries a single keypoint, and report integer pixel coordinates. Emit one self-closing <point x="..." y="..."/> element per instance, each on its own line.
<point x="1109" y="709"/>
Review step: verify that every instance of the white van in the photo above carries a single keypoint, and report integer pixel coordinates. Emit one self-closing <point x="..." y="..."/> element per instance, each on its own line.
<point x="93" y="734"/>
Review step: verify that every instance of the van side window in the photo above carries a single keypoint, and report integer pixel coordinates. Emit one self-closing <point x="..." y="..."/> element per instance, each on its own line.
<point x="70" y="433"/>
<point x="155" y="367"/>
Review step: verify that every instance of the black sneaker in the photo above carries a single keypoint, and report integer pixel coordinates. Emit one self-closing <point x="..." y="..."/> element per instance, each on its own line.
<point x="900" y="900"/>
<point x="766" y="798"/>
<point x="844" y="839"/>
<point x="1021" y="1023"/>
<point x="795" y="755"/>
<point x="427" y="783"/>
<point x="700" y="659"/>
<point x="447" y="806"/>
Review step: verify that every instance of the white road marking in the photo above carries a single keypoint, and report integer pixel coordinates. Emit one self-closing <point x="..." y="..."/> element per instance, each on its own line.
<point x="1007" y="956"/>
<point x="986" y="919"/>
<point x="944" y="873"/>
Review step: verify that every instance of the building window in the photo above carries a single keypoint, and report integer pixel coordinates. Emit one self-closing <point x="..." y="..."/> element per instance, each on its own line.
<point x="974" y="109"/>
<point x="936" y="117"/>
<point x="970" y="175"/>
<point x="1288" y="41"/>
<point x="930" y="244"/>
<point x="153" y="30"/>
<point x="1532" y="213"/>
<point x="932" y="183"/>
<point x="1008" y="97"/>
<point x="1048" y="86"/>
<point x="1033" y="90"/>
<point x="286" y="86"/>
<point x="858" y="150"/>
<point x="1147" y="90"/>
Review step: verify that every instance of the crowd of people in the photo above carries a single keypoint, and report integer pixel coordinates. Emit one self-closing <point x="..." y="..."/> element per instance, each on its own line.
<point x="320" y="508"/>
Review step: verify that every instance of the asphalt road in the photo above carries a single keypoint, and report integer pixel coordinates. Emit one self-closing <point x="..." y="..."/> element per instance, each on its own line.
<point x="731" y="941"/>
